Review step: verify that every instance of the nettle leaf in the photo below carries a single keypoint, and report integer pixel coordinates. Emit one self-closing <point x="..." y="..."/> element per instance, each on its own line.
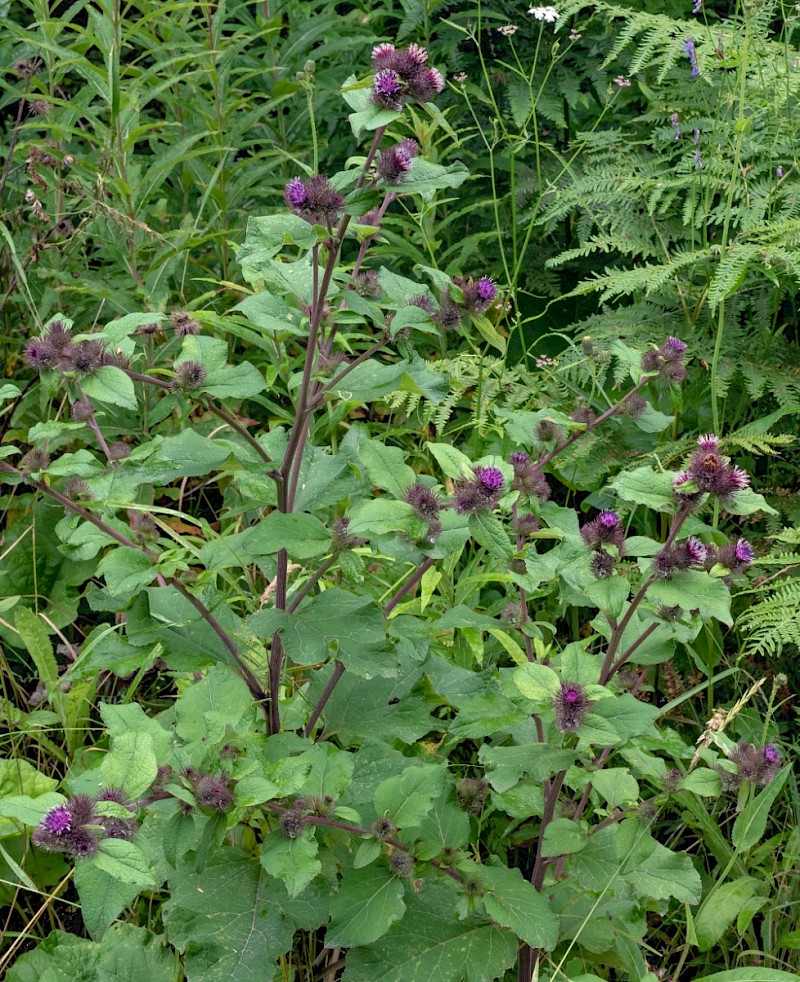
<point x="125" y="861"/>
<point x="694" y="590"/>
<point x="452" y="462"/>
<point x="537" y="682"/>
<point x="616" y="785"/>
<point x="563" y="837"/>
<point x="292" y="860"/>
<point x="662" y="873"/>
<point x="514" y="903"/>
<point x="369" y="902"/>
<point x="644" y="486"/>
<point x="131" y="764"/>
<point x="431" y="944"/>
<point x="486" y="714"/>
<point x="386" y="467"/>
<point x="507" y="765"/>
<point x="340" y="623"/>
<point x="748" y="502"/>
<point x="126" y="570"/>
<point x="110" y="384"/>
<point x="209" y="707"/>
<point x="408" y="797"/>
<point x="487" y="530"/>
<point x="267" y="235"/>
<point x="225" y="920"/>
<point x="103" y="896"/>
<point x="425" y="178"/>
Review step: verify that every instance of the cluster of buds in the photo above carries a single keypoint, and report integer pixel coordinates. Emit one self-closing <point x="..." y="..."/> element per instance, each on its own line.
<point x="758" y="765"/>
<point x="394" y="163"/>
<point x="74" y="827"/>
<point x="57" y="350"/>
<point x="528" y="479"/>
<point x="479" y="494"/>
<point x="211" y="791"/>
<point x="667" y="360"/>
<point x="605" y="530"/>
<point x="471" y="793"/>
<point x="479" y="294"/>
<point x="316" y="200"/>
<point x="570" y="706"/>
<point x="402" y="74"/>
<point x="709" y="472"/>
<point x="426" y="505"/>
<point x="682" y="556"/>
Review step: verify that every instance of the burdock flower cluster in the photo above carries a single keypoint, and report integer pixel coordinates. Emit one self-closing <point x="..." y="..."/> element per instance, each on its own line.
<point x="682" y="556"/>
<point x="479" y="494"/>
<point x="394" y="163"/>
<point x="528" y="479"/>
<point x="709" y="472"/>
<point x="57" y="350"/>
<point x="402" y="74"/>
<point x="571" y="704"/>
<point x="74" y="827"/>
<point x="758" y="765"/>
<point x="601" y="532"/>
<point x="479" y="295"/>
<point x="316" y="200"/>
<point x="666" y="360"/>
<point x="426" y="505"/>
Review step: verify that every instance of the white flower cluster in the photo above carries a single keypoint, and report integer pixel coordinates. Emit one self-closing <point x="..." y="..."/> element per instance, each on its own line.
<point x="548" y="14"/>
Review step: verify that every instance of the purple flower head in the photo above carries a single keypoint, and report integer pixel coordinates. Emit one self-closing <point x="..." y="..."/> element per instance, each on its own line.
<point x="58" y="820"/>
<point x="602" y="564"/>
<point x="519" y="459"/>
<point x="779" y="172"/>
<point x="486" y="289"/>
<point x="478" y="294"/>
<point x="382" y="55"/>
<point x="448" y="317"/>
<point x="675" y="126"/>
<point x="698" y="160"/>
<point x="427" y="86"/>
<point x="417" y="54"/>
<point x="387" y="90"/>
<point x="315" y="200"/>
<point x="696" y="137"/>
<point x="570" y="705"/>
<point x="295" y="193"/>
<point x="708" y="443"/>
<point x="425" y="502"/>
<point x="604" y="530"/>
<point x="735" y="556"/>
<point x="771" y="755"/>
<point x="695" y="551"/>
<point x="674" y="348"/>
<point x="759" y="765"/>
<point x="213" y="792"/>
<point x="489" y="478"/>
<point x="528" y="479"/>
<point x="526" y="524"/>
<point x="183" y="323"/>
<point x="689" y="48"/>
<point x="698" y="6"/>
<point x="394" y="163"/>
<point x="665" y="563"/>
<point x="666" y="360"/>
<point x="39" y="354"/>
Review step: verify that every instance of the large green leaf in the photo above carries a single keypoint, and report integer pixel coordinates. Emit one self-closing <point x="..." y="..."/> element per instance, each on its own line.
<point x="408" y="797"/>
<point x="432" y="945"/>
<point x="103" y="896"/>
<point x="644" y="486"/>
<point x="226" y="920"/>
<point x="292" y="860"/>
<point x="515" y="903"/>
<point x="752" y="819"/>
<point x="368" y="903"/>
<point x="719" y="909"/>
<point x="694" y="590"/>
<point x="130" y="764"/>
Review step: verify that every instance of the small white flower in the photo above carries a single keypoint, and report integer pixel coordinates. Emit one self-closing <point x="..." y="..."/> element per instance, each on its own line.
<point x="548" y="14"/>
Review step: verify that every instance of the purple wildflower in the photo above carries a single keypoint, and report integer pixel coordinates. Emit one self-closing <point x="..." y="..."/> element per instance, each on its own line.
<point x="58" y="820"/>
<point x="606" y="529"/>
<point x="295" y="193"/>
<point x="676" y="128"/>
<point x="698" y="6"/>
<point x="689" y="48"/>
<point x="526" y="524"/>
<point x="695" y="551"/>
<point x="712" y="473"/>
<point x="402" y="74"/>
<point x="759" y="765"/>
<point x="666" y="360"/>
<point x="570" y="705"/>
<point x="696" y="137"/>
<point x="448" y="317"/>
<point x="698" y="160"/>
<point x="213" y="792"/>
<point x="735" y="556"/>
<point x="387" y="90"/>
<point x="490" y="479"/>
<point x="528" y="478"/>
<point x="779" y="172"/>
<point x="478" y="294"/>
<point x="322" y="203"/>
<point x="426" y="503"/>
<point x="394" y="163"/>
<point x="602" y="564"/>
